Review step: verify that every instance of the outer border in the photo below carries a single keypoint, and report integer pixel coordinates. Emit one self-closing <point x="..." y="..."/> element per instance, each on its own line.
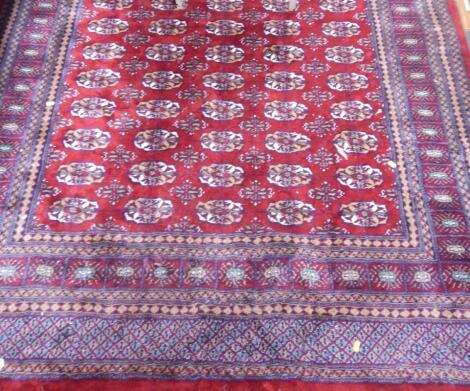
<point x="144" y="385"/>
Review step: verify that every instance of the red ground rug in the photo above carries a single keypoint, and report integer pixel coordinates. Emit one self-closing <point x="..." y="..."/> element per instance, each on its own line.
<point x="234" y="194"/>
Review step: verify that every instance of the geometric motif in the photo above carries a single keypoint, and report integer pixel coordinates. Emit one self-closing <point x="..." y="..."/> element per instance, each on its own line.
<point x="221" y="189"/>
<point x="136" y="87"/>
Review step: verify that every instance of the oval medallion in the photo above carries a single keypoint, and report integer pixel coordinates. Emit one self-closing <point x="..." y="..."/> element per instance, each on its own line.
<point x="353" y="141"/>
<point x="283" y="54"/>
<point x="225" y="5"/>
<point x="340" y="29"/>
<point x="165" y="52"/>
<point x="347" y="82"/>
<point x="352" y="110"/>
<point x="225" y="54"/>
<point x="223" y="141"/>
<point x="360" y="177"/>
<point x="221" y="175"/>
<point x="284" y="81"/>
<point x="285" y="111"/>
<point x="344" y="54"/>
<point x="222" y="110"/>
<point x="162" y="80"/>
<point x="92" y="108"/>
<point x="152" y="173"/>
<point x="148" y="210"/>
<point x="289" y="175"/>
<point x="168" y="27"/>
<point x="99" y="78"/>
<point x="290" y="212"/>
<point x="159" y="109"/>
<point x="287" y="142"/>
<point x="80" y="173"/>
<point x="364" y="214"/>
<point x="108" y="26"/>
<point x="281" y="28"/>
<point x="225" y="27"/>
<point x="86" y="139"/>
<point x="156" y="140"/>
<point x="223" y="81"/>
<point x="73" y="210"/>
<point x="223" y="212"/>
<point x="103" y="51"/>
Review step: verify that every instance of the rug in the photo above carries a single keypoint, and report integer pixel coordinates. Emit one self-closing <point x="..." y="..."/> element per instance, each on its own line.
<point x="262" y="194"/>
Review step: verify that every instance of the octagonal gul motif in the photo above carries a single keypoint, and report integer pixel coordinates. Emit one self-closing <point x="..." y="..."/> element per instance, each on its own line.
<point x="93" y="108"/>
<point x="164" y="5"/>
<point x="108" y="26"/>
<point x="364" y="214"/>
<point x="290" y="212"/>
<point x="338" y="6"/>
<point x="222" y="110"/>
<point x="152" y="173"/>
<point x="225" y="54"/>
<point x="158" y="109"/>
<point x="347" y="81"/>
<point x="165" y="52"/>
<point x="168" y="27"/>
<point x="104" y="51"/>
<point x="360" y="177"/>
<point x="223" y="141"/>
<point x="283" y="54"/>
<point x="352" y="141"/>
<point x="277" y="5"/>
<point x="223" y="81"/>
<point x="341" y="29"/>
<point x="148" y="210"/>
<point x="223" y="212"/>
<point x="162" y="80"/>
<point x="281" y="28"/>
<point x="289" y="175"/>
<point x="86" y="139"/>
<point x="73" y="210"/>
<point x="99" y="78"/>
<point x="352" y="110"/>
<point x="285" y="111"/>
<point x="225" y="5"/>
<point x="284" y="81"/>
<point x="225" y="27"/>
<point x="80" y="173"/>
<point x="221" y="175"/>
<point x="344" y="54"/>
<point x="113" y="4"/>
<point x="287" y="142"/>
<point x="156" y="140"/>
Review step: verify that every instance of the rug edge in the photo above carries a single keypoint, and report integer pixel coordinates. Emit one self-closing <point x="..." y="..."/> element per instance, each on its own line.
<point x="214" y="385"/>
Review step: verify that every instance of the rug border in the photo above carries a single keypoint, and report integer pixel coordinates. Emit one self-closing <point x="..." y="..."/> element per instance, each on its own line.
<point x="215" y="385"/>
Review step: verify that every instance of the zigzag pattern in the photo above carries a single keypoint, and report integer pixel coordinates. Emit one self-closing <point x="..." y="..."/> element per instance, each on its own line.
<point x="235" y="341"/>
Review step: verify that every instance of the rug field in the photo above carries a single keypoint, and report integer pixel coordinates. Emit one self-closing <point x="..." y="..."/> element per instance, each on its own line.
<point x="234" y="194"/>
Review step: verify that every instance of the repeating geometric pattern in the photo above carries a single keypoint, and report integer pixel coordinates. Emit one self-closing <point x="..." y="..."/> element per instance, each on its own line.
<point x="221" y="116"/>
<point x="252" y="117"/>
<point x="290" y="342"/>
<point x="279" y="274"/>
